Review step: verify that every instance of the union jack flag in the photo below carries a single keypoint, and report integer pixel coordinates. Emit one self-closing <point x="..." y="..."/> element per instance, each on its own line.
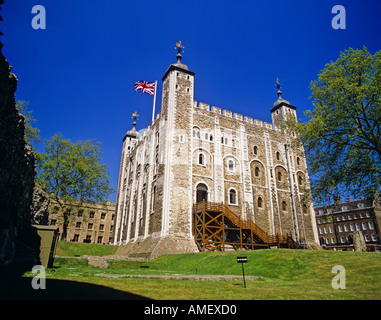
<point x="148" y="87"/>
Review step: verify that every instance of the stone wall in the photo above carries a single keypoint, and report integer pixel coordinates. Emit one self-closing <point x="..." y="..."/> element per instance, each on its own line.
<point x="19" y="242"/>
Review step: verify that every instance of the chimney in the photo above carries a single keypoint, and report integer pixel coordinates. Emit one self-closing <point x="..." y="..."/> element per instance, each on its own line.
<point x="336" y="200"/>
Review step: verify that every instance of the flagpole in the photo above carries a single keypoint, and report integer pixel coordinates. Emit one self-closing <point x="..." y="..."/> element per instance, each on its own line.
<point x="154" y="102"/>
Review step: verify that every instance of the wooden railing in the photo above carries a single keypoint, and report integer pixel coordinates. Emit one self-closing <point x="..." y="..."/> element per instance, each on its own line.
<point x="244" y="224"/>
<point x="269" y="240"/>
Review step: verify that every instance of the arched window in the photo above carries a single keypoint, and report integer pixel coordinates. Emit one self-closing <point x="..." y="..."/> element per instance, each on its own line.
<point x="232" y="196"/>
<point x="284" y="205"/>
<point x="298" y="161"/>
<point x="201" y="192"/>
<point x="279" y="176"/>
<point x="231" y="165"/>
<point x="196" y="132"/>
<point x="201" y="159"/>
<point x="260" y="202"/>
<point x="300" y="178"/>
<point x="255" y="150"/>
<point x="256" y="171"/>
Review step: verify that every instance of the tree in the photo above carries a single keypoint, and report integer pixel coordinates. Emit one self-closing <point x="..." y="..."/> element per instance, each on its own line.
<point x="342" y="137"/>
<point x="31" y="134"/>
<point x="72" y="172"/>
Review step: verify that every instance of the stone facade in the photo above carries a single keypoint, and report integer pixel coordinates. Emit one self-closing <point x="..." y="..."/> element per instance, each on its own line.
<point x="192" y="151"/>
<point x="89" y="222"/>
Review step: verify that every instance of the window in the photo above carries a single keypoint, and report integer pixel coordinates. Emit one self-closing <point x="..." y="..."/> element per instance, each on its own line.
<point x="53" y="222"/>
<point x="201" y="159"/>
<point x="256" y="171"/>
<point x="91" y="215"/>
<point x="298" y="161"/>
<point x="78" y="225"/>
<point x="196" y="132"/>
<point x="330" y="229"/>
<point x="374" y="237"/>
<point x="279" y="176"/>
<point x="342" y="239"/>
<point x="320" y="230"/>
<point x="255" y="150"/>
<point x="325" y="230"/>
<point x="346" y="229"/>
<point x="156" y="164"/>
<point x="80" y="212"/>
<point x="76" y="238"/>
<point x="90" y="226"/>
<point x="232" y="196"/>
<point x="231" y="165"/>
<point x="206" y="136"/>
<point x="344" y="208"/>
<point x="100" y="238"/>
<point x="366" y="236"/>
<point x="101" y="227"/>
<point x="260" y="202"/>
<point x="278" y="156"/>
<point x="340" y="229"/>
<point x="358" y="227"/>
<point x="211" y="137"/>
<point x="181" y="138"/>
<point x="103" y="215"/>
<point x="371" y="226"/>
<point x="284" y="205"/>
<point x="352" y="227"/>
<point x="364" y="226"/>
<point x="304" y="208"/>
<point x="300" y="178"/>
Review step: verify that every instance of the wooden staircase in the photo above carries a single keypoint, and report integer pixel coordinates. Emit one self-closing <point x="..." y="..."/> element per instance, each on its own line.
<point x="216" y="227"/>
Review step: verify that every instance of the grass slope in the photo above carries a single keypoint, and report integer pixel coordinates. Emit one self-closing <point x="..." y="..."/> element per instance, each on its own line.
<point x="71" y="249"/>
<point x="287" y="274"/>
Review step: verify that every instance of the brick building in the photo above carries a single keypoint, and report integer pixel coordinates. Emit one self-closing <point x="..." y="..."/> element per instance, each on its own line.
<point x="337" y="224"/>
<point x="89" y="222"/>
<point x="192" y="152"/>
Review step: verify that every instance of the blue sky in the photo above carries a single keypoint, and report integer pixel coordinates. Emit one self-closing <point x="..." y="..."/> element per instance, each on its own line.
<point x="79" y="73"/>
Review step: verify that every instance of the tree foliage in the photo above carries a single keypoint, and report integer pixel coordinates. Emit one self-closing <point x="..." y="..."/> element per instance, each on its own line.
<point x="32" y="136"/>
<point x="70" y="172"/>
<point x="342" y="136"/>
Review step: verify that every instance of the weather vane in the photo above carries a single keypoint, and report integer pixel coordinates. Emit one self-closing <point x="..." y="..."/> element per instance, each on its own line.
<point x="135" y="116"/>
<point x="179" y="47"/>
<point x="278" y="85"/>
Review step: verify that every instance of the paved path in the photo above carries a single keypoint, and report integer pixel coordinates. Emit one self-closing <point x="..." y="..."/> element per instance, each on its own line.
<point x="180" y="276"/>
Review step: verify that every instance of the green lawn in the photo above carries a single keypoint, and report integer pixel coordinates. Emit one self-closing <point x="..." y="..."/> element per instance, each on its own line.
<point x="285" y="274"/>
<point x="71" y="249"/>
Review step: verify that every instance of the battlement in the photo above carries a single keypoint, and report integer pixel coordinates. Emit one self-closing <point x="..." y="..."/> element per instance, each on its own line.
<point x="230" y="114"/>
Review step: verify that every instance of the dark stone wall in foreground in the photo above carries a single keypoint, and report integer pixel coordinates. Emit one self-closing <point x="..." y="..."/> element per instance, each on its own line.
<point x="19" y="242"/>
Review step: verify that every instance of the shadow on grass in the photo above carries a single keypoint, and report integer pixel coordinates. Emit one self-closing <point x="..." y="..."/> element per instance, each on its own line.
<point x="15" y="287"/>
